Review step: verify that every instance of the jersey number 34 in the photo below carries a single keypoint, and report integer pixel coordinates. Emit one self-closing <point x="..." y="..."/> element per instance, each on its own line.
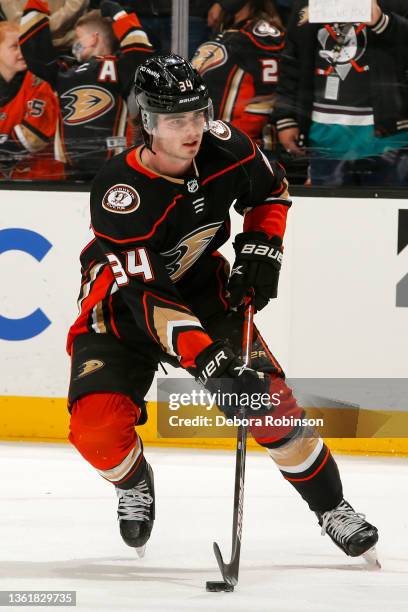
<point x="136" y="263"/>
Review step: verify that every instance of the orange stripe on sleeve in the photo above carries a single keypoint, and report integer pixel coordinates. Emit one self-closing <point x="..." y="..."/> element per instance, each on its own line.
<point x="37" y="5"/>
<point x="30" y="34"/>
<point x="190" y="344"/>
<point x="124" y="24"/>
<point x="268" y="218"/>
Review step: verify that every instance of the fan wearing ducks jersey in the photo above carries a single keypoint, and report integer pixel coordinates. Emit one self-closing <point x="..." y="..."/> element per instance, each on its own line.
<point x="241" y="65"/>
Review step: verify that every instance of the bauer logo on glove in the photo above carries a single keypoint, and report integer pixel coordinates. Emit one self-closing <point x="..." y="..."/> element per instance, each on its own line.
<point x="263" y="250"/>
<point x="257" y="265"/>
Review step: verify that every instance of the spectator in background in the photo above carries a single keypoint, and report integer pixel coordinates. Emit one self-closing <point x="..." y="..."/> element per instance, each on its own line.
<point x="241" y="65"/>
<point x="199" y="30"/>
<point x="63" y="16"/>
<point x="343" y="92"/>
<point x="155" y="16"/>
<point x="284" y="9"/>
<point x="28" y="115"/>
<point x="93" y="90"/>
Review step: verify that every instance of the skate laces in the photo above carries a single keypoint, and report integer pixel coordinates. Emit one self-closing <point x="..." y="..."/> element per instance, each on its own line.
<point x="134" y="504"/>
<point x="342" y="522"/>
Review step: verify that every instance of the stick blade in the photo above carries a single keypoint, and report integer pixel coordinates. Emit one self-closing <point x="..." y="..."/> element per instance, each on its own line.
<point x="218" y="587"/>
<point x="230" y="578"/>
<point x="220" y="560"/>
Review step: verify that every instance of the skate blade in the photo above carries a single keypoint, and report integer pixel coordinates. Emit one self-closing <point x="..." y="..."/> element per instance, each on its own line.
<point x="371" y="558"/>
<point x="141" y="551"/>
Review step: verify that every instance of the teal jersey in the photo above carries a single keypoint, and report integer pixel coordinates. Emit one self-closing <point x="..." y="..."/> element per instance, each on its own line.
<point x="352" y="141"/>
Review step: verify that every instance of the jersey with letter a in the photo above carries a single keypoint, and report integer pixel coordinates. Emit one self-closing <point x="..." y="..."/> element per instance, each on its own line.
<point x="241" y="69"/>
<point x="94" y="118"/>
<point x="28" y="117"/>
<point x="152" y="236"/>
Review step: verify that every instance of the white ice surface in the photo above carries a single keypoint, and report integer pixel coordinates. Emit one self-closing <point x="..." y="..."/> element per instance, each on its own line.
<point x="58" y="531"/>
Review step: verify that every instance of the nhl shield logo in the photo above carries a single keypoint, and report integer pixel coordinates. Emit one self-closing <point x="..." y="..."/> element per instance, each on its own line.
<point x="192" y="185"/>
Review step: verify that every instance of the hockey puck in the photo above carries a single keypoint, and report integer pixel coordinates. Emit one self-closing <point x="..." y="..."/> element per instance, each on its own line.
<point x="218" y="587"/>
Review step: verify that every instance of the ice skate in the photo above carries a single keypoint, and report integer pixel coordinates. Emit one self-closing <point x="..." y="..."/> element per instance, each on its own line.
<point x="371" y="558"/>
<point x="350" y="531"/>
<point x="136" y="512"/>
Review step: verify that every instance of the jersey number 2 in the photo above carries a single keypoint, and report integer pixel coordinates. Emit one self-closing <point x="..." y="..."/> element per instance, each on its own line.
<point x="269" y="71"/>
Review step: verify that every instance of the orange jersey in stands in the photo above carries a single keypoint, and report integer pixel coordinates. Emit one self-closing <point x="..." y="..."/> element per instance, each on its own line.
<point x="28" y="117"/>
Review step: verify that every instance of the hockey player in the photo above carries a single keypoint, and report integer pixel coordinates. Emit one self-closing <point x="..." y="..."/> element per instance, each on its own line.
<point x="28" y="116"/>
<point x="92" y="90"/>
<point x="241" y="65"/>
<point x="154" y="288"/>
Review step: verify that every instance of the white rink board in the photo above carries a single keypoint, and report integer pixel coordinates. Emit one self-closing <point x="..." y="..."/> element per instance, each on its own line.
<point x="39" y="366"/>
<point x="335" y="316"/>
<point x="344" y="319"/>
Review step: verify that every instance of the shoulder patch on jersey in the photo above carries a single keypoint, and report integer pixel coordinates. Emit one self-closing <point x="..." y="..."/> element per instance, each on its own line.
<point x="122" y="199"/>
<point x="263" y="28"/>
<point x="208" y="56"/>
<point x="220" y="130"/>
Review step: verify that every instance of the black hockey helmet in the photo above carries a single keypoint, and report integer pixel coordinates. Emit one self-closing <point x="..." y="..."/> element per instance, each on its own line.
<point x="170" y="84"/>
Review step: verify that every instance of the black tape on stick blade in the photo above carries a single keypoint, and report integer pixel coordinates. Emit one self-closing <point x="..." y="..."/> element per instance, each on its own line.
<point x="217" y="587"/>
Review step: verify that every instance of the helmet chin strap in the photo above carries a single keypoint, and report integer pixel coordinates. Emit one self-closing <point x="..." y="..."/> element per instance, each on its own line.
<point x="147" y="136"/>
<point x="148" y="140"/>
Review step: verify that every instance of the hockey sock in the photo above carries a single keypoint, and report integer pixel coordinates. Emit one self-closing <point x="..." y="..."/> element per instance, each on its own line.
<point x="307" y="463"/>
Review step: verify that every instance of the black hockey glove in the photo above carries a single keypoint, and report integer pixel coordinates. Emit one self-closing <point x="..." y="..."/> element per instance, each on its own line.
<point x="257" y="265"/>
<point x="220" y="371"/>
<point x="110" y="9"/>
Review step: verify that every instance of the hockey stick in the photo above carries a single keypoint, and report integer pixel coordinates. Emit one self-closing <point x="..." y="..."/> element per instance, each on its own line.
<point x="230" y="570"/>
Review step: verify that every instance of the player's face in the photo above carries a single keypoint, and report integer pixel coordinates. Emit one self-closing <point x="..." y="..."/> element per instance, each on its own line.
<point x="179" y="135"/>
<point x="11" y="58"/>
<point x="85" y="43"/>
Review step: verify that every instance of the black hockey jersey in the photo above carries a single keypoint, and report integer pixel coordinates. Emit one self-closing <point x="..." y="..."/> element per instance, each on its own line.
<point x="151" y="234"/>
<point x="93" y="125"/>
<point x="241" y="69"/>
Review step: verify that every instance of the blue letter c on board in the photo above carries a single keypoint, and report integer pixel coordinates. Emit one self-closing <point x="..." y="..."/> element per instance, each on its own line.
<point x="32" y="243"/>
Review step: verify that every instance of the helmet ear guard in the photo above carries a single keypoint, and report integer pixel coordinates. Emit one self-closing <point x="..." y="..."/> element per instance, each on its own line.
<point x="148" y="120"/>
